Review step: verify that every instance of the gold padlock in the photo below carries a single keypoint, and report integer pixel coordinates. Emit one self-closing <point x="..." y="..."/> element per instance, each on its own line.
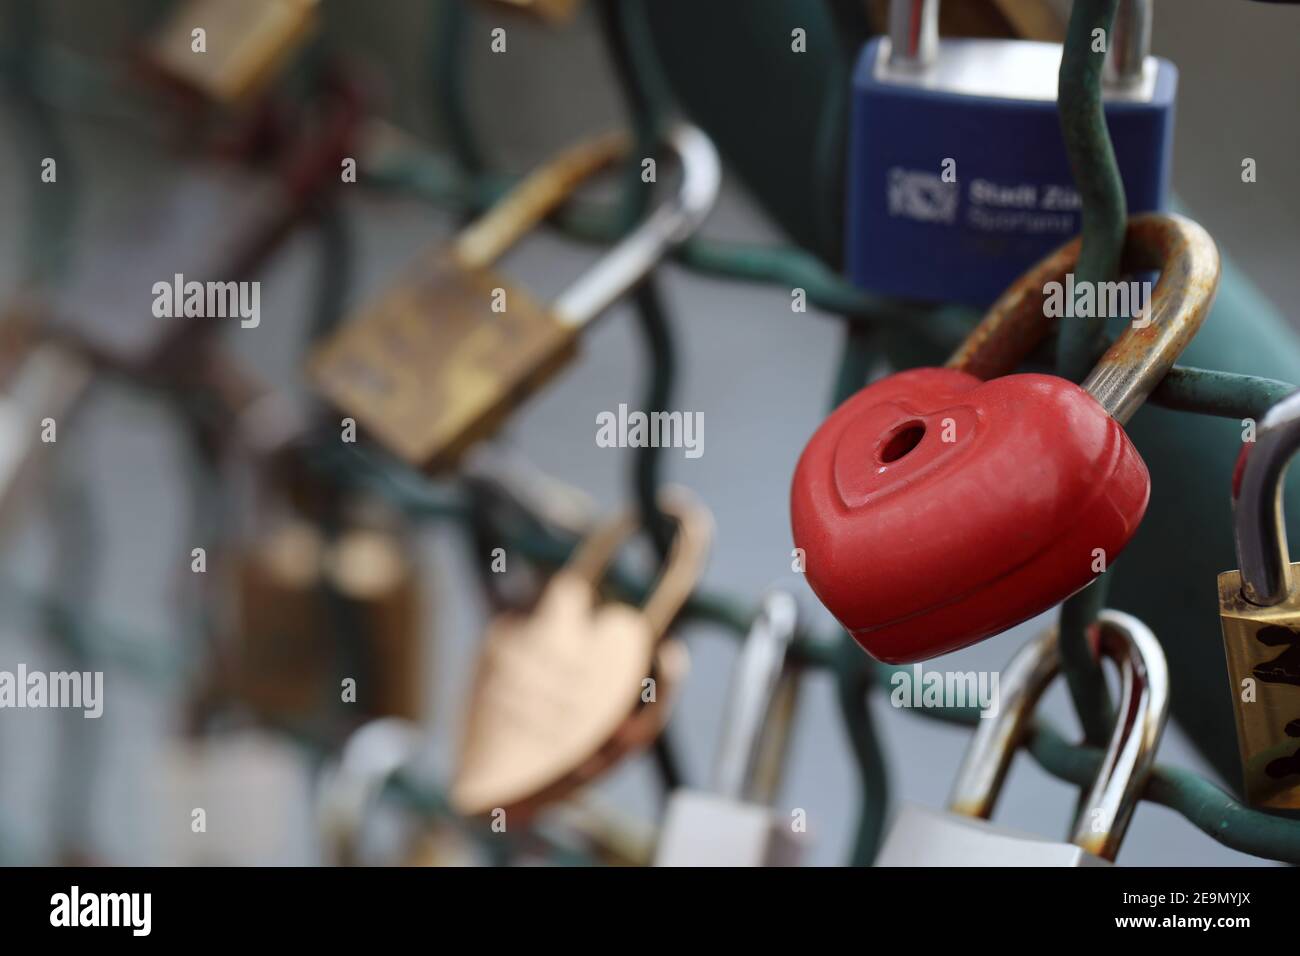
<point x="280" y="664"/>
<point x="561" y="694"/>
<point x="439" y="360"/>
<point x="371" y="571"/>
<point x="294" y="586"/>
<point x="1259" y="608"/>
<point x="244" y="44"/>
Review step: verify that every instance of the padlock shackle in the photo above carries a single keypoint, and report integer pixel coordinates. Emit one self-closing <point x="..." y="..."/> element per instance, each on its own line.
<point x="631" y="259"/>
<point x="371" y="755"/>
<point x="751" y="718"/>
<point x="681" y="572"/>
<point x="1136" y="362"/>
<point x="1143" y="708"/>
<point x="1259" y="524"/>
<point x="1130" y="43"/>
<point x="534" y="198"/>
<point x="634" y="257"/>
<point x="913" y="33"/>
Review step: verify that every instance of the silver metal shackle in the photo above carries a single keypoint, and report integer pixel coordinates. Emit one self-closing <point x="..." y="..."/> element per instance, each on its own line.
<point x="913" y="33"/>
<point x="349" y="789"/>
<point x="1259" y="524"/>
<point x="1129" y="46"/>
<point x="914" y="39"/>
<point x="754" y="687"/>
<point x="1142" y="711"/>
<point x="671" y="223"/>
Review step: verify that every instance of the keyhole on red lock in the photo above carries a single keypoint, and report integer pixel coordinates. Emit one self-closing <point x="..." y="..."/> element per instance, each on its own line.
<point x="906" y="437"/>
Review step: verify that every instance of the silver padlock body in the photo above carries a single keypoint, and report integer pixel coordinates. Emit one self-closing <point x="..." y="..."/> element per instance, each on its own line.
<point x="703" y="829"/>
<point x="924" y="837"/>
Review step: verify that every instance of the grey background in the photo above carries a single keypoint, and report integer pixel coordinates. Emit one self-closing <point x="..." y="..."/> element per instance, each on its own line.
<point x="759" y="374"/>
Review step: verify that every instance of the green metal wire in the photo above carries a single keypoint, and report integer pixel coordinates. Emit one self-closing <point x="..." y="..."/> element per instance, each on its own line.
<point x="448" y="49"/>
<point x="1225" y="394"/>
<point x="645" y="105"/>
<point x="1096" y="174"/>
<point x="1097" y="178"/>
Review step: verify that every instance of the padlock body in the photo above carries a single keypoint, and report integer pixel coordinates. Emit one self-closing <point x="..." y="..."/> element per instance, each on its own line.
<point x="246" y="44"/>
<point x="298" y="595"/>
<point x="958" y="176"/>
<point x="935" y="510"/>
<point x="923" y="837"/>
<point x="705" y="829"/>
<point x="1262" y="648"/>
<point x="431" y="366"/>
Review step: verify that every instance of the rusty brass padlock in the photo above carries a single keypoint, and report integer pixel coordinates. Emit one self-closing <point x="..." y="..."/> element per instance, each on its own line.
<point x="439" y="360"/>
<point x="244" y="44"/>
<point x="294" y="586"/>
<point x="561" y="693"/>
<point x="1259" y="609"/>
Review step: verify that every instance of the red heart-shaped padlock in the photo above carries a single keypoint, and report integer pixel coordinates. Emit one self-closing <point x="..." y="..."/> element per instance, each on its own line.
<point x="935" y="509"/>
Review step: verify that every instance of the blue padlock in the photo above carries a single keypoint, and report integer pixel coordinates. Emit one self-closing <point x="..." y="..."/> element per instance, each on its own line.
<point x="958" y="175"/>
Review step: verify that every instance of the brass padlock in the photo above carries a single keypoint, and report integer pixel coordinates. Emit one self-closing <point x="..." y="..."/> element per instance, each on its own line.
<point x="563" y="693"/>
<point x="439" y="360"/>
<point x="371" y="571"/>
<point x="244" y="44"/>
<point x="1259" y="609"/>
<point x="963" y="836"/>
<point x="294" y="586"/>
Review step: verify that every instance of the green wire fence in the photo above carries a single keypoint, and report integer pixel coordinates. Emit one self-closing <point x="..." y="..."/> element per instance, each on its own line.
<point x="467" y="185"/>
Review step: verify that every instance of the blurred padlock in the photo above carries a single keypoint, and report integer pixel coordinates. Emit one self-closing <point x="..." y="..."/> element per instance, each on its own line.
<point x="350" y="787"/>
<point x="283" y="661"/>
<point x="316" y="612"/>
<point x="958" y="174"/>
<point x="242" y="46"/>
<point x="963" y="836"/>
<point x="563" y="693"/>
<point x="733" y="825"/>
<point x="372" y="572"/>
<point x="1260" y="612"/>
<point x="438" y="361"/>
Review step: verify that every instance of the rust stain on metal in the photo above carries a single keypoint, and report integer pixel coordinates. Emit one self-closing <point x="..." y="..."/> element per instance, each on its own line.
<point x="1188" y="262"/>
